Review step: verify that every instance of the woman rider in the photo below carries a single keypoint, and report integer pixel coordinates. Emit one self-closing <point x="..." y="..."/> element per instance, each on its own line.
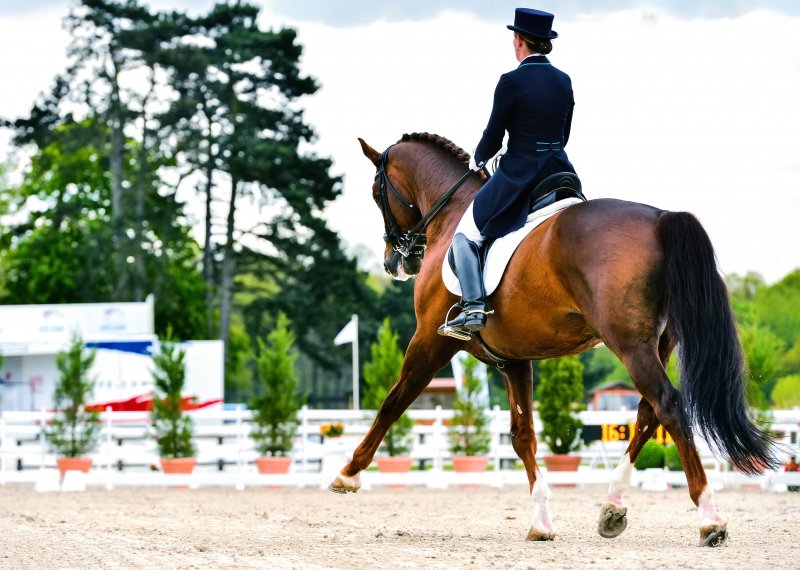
<point x="534" y="104"/>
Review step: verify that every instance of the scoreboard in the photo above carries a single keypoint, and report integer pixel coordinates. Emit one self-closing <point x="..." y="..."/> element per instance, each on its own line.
<point x="618" y="432"/>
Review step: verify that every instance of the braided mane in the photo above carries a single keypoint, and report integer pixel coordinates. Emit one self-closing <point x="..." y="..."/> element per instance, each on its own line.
<point x="445" y="144"/>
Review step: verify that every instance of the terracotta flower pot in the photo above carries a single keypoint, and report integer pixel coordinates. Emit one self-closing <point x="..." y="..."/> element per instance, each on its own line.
<point x="82" y="464"/>
<point x="178" y="465"/>
<point x="394" y="464"/>
<point x="470" y="463"/>
<point x="273" y="465"/>
<point x="562" y="462"/>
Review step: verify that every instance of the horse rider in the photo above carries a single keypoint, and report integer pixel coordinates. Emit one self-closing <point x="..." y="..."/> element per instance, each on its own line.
<point x="534" y="104"/>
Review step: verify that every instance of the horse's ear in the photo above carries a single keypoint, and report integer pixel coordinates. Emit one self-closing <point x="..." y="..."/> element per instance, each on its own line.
<point x="369" y="152"/>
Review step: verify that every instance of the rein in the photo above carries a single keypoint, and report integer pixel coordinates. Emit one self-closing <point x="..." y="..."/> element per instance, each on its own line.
<point x="412" y="242"/>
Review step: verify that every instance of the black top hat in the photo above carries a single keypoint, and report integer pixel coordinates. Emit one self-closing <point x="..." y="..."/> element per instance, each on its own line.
<point x="533" y="23"/>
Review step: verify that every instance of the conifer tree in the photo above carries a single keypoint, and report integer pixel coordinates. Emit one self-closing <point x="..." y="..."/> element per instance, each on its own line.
<point x="469" y="428"/>
<point x="73" y="431"/>
<point x="275" y="408"/>
<point x="560" y="396"/>
<point x="380" y="374"/>
<point x="172" y="427"/>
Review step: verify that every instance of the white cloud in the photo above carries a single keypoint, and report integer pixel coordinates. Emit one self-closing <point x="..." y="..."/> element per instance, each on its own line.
<point x="684" y="115"/>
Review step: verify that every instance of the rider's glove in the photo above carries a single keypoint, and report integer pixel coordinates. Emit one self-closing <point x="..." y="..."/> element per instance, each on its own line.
<point x="474" y="165"/>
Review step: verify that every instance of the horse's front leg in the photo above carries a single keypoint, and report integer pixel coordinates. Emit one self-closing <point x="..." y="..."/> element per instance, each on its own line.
<point x="519" y="384"/>
<point x="427" y="354"/>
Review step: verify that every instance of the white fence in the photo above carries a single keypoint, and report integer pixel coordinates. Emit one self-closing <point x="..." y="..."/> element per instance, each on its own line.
<point x="127" y="454"/>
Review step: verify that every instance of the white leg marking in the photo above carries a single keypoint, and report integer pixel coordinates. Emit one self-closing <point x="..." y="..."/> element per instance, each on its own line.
<point x="706" y="513"/>
<point x="344" y="484"/>
<point x="519" y="410"/>
<point x="541" y="514"/>
<point x="621" y="481"/>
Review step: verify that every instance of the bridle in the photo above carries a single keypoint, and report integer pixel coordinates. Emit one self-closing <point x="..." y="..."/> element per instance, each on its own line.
<point x="410" y="243"/>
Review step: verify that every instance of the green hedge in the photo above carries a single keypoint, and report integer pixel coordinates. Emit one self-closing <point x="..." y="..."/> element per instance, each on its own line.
<point x="672" y="458"/>
<point x="651" y="456"/>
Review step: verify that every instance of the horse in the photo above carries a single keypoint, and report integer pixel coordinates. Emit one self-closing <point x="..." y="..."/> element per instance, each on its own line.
<point x="641" y="280"/>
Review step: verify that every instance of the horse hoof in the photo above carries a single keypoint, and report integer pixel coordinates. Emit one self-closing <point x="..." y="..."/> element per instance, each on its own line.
<point x="713" y="536"/>
<point x="343" y="484"/>
<point x="612" y="521"/>
<point x="536" y="535"/>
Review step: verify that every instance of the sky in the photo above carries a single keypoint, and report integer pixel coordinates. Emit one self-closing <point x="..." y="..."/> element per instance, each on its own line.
<point x="684" y="105"/>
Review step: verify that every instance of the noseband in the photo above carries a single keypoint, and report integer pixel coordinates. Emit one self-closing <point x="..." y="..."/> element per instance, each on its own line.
<point x="410" y="243"/>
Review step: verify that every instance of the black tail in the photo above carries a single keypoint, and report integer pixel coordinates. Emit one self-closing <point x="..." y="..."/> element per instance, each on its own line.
<point x="711" y="358"/>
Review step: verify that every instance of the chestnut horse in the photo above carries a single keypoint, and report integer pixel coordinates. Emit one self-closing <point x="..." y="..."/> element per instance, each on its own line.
<point x="639" y="279"/>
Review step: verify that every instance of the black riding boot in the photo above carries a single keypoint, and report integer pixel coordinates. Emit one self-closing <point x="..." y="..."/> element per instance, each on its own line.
<point x="464" y="258"/>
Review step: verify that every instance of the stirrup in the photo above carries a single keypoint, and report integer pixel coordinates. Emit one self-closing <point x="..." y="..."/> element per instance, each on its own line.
<point x="447" y="330"/>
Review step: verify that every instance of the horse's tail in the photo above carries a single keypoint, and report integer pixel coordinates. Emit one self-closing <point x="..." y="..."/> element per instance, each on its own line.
<point x="712" y="366"/>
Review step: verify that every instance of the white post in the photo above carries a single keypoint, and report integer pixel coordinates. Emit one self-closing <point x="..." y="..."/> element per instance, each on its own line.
<point x="304" y="434"/>
<point x="109" y="447"/>
<point x="2" y="455"/>
<point x="239" y="444"/>
<point x="356" y="405"/>
<point x="239" y="438"/>
<point x="42" y="440"/>
<point x="496" y="436"/>
<point x="438" y="461"/>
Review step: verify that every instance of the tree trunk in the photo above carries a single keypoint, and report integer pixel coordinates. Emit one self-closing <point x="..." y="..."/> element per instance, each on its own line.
<point x="226" y="294"/>
<point x="142" y="182"/>
<point x="208" y="248"/>
<point x="116" y="162"/>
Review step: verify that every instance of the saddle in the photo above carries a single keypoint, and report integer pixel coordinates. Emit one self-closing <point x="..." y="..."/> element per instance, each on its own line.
<point x="558" y="186"/>
<point x="555" y="187"/>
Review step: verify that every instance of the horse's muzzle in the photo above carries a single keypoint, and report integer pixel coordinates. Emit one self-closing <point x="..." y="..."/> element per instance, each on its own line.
<point x="402" y="268"/>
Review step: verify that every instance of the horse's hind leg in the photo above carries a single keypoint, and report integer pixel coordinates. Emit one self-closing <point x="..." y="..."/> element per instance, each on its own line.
<point x="613" y="514"/>
<point x="519" y="384"/>
<point x="651" y="380"/>
<point x="427" y="353"/>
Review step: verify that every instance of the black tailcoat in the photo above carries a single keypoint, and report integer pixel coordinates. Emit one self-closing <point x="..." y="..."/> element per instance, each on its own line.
<point x="534" y="104"/>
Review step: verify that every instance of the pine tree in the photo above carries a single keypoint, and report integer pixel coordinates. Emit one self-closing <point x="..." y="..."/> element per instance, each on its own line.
<point x="469" y="433"/>
<point x="74" y="430"/>
<point x="172" y="427"/>
<point x="380" y="374"/>
<point x="275" y="408"/>
<point x="560" y="395"/>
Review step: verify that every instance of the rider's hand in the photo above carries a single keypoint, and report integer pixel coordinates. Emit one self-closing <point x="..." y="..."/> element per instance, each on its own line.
<point x="474" y="165"/>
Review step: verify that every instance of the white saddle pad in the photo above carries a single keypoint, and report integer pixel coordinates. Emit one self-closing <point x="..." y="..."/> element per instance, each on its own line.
<point x="502" y="249"/>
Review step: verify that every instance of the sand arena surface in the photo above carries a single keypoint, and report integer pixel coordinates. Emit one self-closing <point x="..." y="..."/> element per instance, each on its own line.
<point x="381" y="528"/>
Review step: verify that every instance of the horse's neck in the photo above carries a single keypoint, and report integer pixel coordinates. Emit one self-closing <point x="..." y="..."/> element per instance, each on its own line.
<point x="444" y="223"/>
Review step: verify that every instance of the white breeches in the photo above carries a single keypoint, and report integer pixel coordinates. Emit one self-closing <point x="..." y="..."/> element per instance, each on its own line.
<point x="467" y="227"/>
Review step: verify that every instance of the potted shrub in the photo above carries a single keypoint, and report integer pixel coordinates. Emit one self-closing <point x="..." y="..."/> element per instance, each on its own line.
<point x="560" y="397"/>
<point x="277" y="403"/>
<point x="380" y="374"/>
<point x="74" y="430"/>
<point x="469" y="431"/>
<point x="171" y="426"/>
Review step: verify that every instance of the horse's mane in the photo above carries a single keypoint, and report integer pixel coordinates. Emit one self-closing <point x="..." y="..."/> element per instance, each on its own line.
<point x="445" y="144"/>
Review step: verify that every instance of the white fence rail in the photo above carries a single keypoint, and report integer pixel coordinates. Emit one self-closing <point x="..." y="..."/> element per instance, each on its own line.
<point x="127" y="454"/>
